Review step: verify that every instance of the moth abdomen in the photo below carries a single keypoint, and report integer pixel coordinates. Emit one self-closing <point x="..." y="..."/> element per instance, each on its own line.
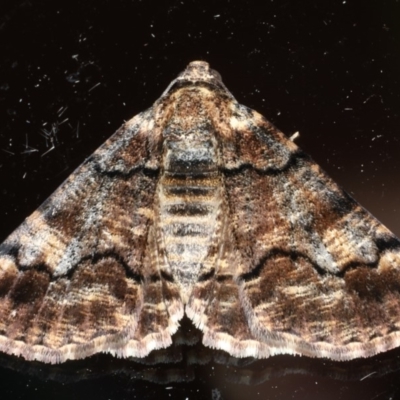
<point x="189" y="209"/>
<point x="190" y="201"/>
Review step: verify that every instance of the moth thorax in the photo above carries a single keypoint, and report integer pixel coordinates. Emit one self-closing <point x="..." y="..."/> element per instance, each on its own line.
<point x="190" y="195"/>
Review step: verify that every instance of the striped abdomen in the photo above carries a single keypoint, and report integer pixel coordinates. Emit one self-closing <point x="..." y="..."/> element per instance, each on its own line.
<point x="190" y="201"/>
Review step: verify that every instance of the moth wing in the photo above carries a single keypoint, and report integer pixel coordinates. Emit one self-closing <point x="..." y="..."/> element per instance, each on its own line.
<point x="308" y="270"/>
<point x="80" y="275"/>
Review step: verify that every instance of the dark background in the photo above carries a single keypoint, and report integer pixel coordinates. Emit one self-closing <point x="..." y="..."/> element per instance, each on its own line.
<point x="71" y="73"/>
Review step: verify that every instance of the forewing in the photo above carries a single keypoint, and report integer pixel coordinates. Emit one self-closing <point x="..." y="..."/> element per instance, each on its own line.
<point x="80" y="275"/>
<point x="309" y="271"/>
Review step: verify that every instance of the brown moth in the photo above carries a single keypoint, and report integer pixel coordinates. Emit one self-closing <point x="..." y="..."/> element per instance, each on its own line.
<point x="199" y="206"/>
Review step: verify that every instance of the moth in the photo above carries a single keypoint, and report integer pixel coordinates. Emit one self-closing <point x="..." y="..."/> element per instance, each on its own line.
<point x="199" y="206"/>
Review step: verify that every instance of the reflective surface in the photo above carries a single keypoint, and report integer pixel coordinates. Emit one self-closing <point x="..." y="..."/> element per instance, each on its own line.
<point x="70" y="75"/>
<point x="191" y="370"/>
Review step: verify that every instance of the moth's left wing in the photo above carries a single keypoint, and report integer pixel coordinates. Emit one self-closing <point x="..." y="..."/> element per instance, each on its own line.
<point x="81" y="274"/>
<point x="303" y="268"/>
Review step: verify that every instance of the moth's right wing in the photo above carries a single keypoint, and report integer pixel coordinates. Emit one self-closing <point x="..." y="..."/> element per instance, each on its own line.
<point x="81" y="275"/>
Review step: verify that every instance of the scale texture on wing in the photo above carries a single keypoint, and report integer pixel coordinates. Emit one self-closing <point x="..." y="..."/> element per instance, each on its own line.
<point x="199" y="205"/>
<point x="308" y="270"/>
<point x="79" y="276"/>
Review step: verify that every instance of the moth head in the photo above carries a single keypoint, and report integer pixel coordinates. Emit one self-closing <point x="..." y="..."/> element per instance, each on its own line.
<point x="198" y="73"/>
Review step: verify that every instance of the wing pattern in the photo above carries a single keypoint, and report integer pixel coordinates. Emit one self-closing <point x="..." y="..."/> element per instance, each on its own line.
<point x="315" y="273"/>
<point x="77" y="277"/>
<point x="199" y="206"/>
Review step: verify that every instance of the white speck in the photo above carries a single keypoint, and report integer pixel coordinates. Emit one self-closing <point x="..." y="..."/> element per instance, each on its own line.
<point x="367" y="376"/>
<point x="94" y="87"/>
<point x="376" y="137"/>
<point x="48" y="151"/>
